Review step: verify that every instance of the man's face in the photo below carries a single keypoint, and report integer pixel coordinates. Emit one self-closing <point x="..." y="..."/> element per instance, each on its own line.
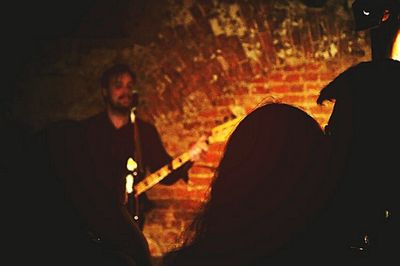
<point x="119" y="94"/>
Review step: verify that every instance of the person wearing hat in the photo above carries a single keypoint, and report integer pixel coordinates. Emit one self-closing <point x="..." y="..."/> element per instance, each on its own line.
<point x="364" y="213"/>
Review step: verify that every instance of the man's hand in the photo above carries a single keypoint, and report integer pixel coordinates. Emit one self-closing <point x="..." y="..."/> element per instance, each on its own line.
<point x="198" y="148"/>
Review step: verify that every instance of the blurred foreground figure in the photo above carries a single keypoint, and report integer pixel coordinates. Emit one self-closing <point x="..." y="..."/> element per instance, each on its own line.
<point x="270" y="186"/>
<point x="365" y="210"/>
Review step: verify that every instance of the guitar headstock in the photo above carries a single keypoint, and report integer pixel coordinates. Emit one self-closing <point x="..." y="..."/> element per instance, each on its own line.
<point x="222" y="132"/>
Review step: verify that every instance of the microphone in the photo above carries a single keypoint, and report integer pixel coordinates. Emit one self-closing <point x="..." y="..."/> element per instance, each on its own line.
<point x="135" y="103"/>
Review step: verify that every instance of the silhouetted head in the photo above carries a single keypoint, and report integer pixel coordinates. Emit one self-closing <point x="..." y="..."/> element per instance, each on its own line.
<point x="371" y="14"/>
<point x="382" y="18"/>
<point x="269" y="184"/>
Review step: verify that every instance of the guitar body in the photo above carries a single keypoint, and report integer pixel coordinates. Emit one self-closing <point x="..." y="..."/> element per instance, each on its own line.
<point x="138" y="206"/>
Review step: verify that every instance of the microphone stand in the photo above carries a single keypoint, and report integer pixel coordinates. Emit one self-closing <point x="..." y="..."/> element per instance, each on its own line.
<point x="133" y="201"/>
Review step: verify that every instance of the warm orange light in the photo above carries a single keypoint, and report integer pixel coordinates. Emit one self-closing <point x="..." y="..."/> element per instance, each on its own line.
<point x="396" y="47"/>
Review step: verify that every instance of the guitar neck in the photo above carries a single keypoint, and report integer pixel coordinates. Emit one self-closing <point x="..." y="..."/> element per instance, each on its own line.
<point x="161" y="173"/>
<point x="219" y="134"/>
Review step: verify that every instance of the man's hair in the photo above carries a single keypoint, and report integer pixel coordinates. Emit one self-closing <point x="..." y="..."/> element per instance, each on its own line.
<point x="115" y="71"/>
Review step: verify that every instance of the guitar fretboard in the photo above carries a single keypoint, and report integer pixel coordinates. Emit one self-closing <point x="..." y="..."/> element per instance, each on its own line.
<point x="161" y="173"/>
<point x="219" y="134"/>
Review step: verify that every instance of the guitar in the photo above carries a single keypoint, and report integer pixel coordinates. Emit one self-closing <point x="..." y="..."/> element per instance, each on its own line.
<point x="218" y="134"/>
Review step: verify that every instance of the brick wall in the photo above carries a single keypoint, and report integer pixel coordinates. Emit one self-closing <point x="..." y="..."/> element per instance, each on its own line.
<point x="206" y="61"/>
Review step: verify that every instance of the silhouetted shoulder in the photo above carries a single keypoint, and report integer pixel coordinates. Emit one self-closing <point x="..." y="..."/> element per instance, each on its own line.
<point x="95" y="119"/>
<point x="145" y="124"/>
<point x="362" y="80"/>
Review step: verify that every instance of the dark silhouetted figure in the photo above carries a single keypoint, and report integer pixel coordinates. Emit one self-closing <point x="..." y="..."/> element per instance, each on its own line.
<point x="364" y="213"/>
<point x="270" y="186"/>
<point x="70" y="218"/>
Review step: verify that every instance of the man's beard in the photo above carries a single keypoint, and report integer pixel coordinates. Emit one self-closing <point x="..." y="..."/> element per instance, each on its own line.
<point x="119" y="108"/>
